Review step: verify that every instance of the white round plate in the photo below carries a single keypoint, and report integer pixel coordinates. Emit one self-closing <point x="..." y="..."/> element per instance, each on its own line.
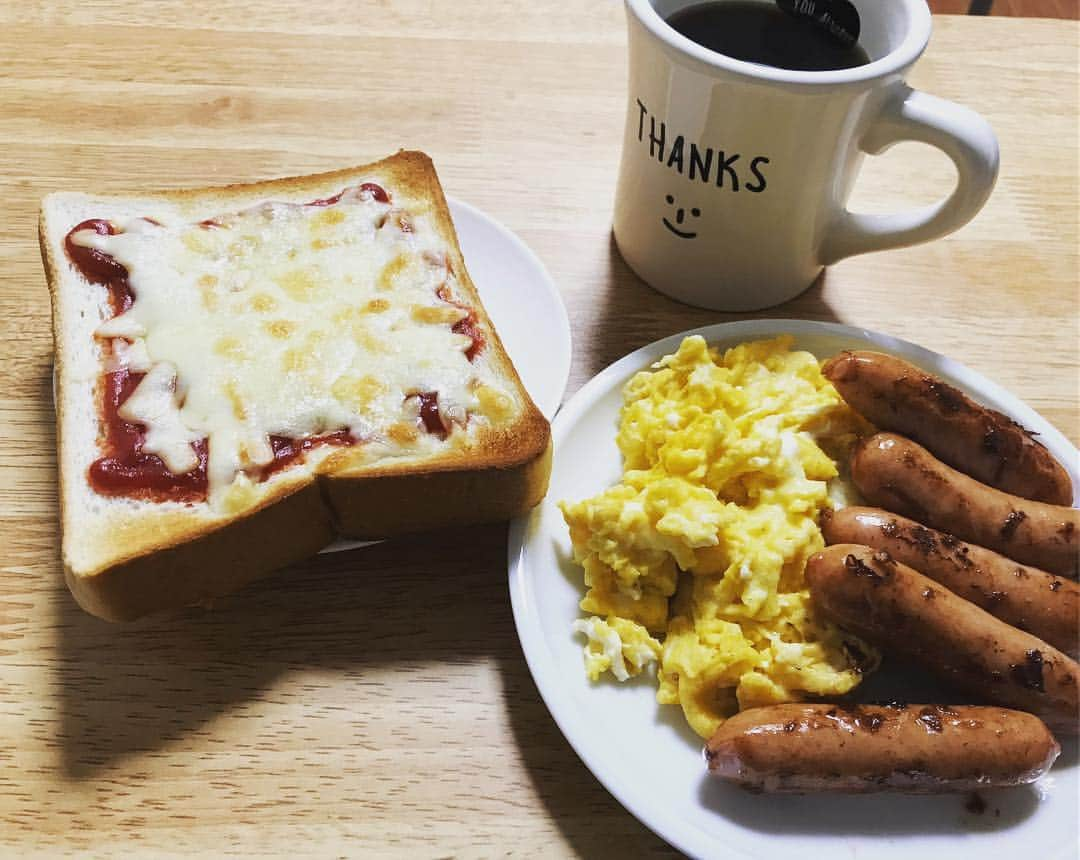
<point x="644" y="753"/>
<point x="523" y="303"/>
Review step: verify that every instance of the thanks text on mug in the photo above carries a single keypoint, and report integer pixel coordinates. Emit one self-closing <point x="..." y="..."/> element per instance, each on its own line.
<point x="698" y="161"/>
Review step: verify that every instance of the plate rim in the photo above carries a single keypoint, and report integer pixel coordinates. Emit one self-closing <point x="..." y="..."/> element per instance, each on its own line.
<point x="681" y="833"/>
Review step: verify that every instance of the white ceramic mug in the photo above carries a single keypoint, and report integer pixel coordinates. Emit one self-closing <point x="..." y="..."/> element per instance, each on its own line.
<point x="735" y="176"/>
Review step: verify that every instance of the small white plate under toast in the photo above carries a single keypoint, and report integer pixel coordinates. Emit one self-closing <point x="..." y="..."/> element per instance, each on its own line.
<point x="646" y="755"/>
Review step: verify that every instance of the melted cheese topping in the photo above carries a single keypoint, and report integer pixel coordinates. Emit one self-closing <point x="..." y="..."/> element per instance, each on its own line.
<point x="290" y="320"/>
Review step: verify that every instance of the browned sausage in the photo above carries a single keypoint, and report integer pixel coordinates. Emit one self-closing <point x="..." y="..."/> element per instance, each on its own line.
<point x="989" y="446"/>
<point x="1044" y="605"/>
<point x="897" y="474"/>
<point x="889" y="604"/>
<point x="916" y="749"/>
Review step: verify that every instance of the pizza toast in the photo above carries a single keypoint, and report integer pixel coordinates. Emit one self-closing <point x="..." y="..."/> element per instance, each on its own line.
<point x="245" y="372"/>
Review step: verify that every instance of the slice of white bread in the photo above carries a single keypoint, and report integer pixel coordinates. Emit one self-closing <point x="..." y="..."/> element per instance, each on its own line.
<point x="276" y="310"/>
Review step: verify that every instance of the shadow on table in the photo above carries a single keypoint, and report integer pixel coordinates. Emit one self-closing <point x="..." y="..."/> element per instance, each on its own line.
<point x="879" y="815"/>
<point x="636" y="314"/>
<point x="134" y="690"/>
<point x="131" y="689"/>
<point x="589" y="818"/>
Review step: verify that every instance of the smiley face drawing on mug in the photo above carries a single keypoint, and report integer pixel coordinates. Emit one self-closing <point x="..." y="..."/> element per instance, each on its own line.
<point x="680" y="217"/>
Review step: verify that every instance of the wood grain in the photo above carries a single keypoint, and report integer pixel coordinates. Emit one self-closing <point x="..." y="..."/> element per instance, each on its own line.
<point x="377" y="702"/>
<point x="1015" y="8"/>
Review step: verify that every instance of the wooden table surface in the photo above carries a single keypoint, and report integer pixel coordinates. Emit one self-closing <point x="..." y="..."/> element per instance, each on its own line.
<point x="377" y="701"/>
<point x="1020" y="8"/>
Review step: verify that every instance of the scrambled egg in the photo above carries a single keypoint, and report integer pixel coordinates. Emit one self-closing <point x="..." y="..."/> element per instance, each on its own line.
<point x="695" y="559"/>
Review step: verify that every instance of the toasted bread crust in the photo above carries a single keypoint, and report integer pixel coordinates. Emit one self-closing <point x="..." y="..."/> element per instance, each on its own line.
<point x="372" y="507"/>
<point x="212" y="564"/>
<point x="157" y="558"/>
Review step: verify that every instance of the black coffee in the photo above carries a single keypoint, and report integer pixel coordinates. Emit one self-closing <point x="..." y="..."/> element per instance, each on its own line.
<point x="762" y="33"/>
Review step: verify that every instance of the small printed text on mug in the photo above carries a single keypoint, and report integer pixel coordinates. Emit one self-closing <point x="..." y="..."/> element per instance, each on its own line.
<point x="699" y="162"/>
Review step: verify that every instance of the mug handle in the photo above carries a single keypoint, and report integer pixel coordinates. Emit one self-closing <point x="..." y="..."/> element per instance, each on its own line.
<point x="957" y="131"/>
